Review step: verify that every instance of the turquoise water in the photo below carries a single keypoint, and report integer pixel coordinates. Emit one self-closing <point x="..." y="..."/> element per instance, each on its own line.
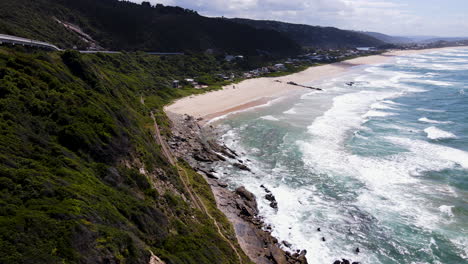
<point x="381" y="165"/>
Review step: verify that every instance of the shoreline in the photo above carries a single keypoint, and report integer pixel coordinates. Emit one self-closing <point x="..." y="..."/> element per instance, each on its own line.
<point x="258" y="91"/>
<point x="190" y="142"/>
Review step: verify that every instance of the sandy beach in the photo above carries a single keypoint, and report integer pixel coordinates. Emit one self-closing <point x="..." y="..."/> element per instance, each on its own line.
<point x="258" y="91"/>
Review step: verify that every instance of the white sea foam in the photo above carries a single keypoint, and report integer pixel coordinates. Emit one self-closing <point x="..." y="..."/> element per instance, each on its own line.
<point x="430" y="110"/>
<point x="382" y="105"/>
<point x="432" y="74"/>
<point x="446" y="210"/>
<point x="381" y="78"/>
<point x="386" y="178"/>
<point x="308" y="96"/>
<point x="398" y="127"/>
<point x="398" y="76"/>
<point x="427" y="120"/>
<point x="435" y="133"/>
<point x="291" y="111"/>
<point x="444" y="67"/>
<point x="346" y="113"/>
<point x="433" y="153"/>
<point x="432" y="82"/>
<point x="270" y="118"/>
<point x="374" y="113"/>
<point x="461" y="243"/>
<point x="390" y="102"/>
<point x="455" y="61"/>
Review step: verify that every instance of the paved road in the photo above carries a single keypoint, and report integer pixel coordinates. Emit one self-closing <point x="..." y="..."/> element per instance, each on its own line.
<point x="118" y="52"/>
<point x="26" y="42"/>
<point x="40" y="44"/>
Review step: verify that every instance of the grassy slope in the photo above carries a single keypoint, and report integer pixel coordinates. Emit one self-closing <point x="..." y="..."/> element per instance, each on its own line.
<point x="73" y="137"/>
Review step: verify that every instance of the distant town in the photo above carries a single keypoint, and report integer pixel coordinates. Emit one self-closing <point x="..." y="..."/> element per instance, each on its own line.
<point x="311" y="58"/>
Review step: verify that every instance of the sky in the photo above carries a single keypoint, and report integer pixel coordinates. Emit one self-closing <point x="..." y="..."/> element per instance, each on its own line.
<point x="395" y="17"/>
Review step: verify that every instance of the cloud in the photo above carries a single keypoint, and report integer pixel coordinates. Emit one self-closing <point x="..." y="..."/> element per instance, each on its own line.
<point x="384" y="16"/>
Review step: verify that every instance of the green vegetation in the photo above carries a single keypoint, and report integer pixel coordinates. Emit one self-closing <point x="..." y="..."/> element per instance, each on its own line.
<point x="316" y="36"/>
<point x="81" y="177"/>
<point x="290" y="69"/>
<point x="123" y="25"/>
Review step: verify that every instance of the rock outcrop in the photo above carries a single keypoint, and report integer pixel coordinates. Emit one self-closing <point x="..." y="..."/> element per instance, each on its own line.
<point x="270" y="197"/>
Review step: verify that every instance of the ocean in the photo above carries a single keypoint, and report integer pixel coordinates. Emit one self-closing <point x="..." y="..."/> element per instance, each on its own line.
<point x="380" y="165"/>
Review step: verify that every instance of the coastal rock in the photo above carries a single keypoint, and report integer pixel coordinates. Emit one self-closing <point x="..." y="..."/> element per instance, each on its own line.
<point x="345" y="261"/>
<point x="270" y="197"/>
<point x="242" y="191"/>
<point x="201" y="157"/>
<point x="227" y="154"/>
<point x="230" y="150"/>
<point x="302" y="257"/>
<point x="207" y="173"/>
<point x="245" y="210"/>
<point x="241" y="166"/>
<point x="277" y="255"/>
<point x="247" y="204"/>
<point x="286" y="244"/>
<point x="222" y="184"/>
<point x="273" y="203"/>
<point x="220" y="157"/>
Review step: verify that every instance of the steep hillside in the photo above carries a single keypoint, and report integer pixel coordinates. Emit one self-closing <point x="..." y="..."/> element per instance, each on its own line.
<point x="114" y="24"/>
<point x="82" y="178"/>
<point x="314" y="36"/>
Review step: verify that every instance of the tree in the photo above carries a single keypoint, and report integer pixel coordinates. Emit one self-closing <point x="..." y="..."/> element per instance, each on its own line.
<point x="146" y="4"/>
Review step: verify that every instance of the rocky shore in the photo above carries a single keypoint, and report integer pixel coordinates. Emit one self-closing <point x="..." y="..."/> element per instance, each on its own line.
<point x="190" y="143"/>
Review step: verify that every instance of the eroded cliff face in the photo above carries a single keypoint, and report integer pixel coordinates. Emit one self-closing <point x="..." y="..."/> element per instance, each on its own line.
<point x="201" y="150"/>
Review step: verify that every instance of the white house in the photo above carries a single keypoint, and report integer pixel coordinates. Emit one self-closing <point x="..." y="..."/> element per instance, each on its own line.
<point x="280" y="66"/>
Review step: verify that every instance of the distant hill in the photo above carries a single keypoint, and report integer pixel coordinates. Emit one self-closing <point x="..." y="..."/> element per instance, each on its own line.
<point x="412" y="39"/>
<point x="122" y="25"/>
<point x="446" y="39"/>
<point x="389" y="39"/>
<point x="429" y="39"/>
<point x="315" y="36"/>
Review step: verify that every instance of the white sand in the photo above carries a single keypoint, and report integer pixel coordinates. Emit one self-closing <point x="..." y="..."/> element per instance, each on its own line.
<point x="252" y="92"/>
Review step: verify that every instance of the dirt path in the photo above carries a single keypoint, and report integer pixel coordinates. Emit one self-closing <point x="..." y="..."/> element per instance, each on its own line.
<point x="161" y="142"/>
<point x="214" y="220"/>
<point x="185" y="179"/>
